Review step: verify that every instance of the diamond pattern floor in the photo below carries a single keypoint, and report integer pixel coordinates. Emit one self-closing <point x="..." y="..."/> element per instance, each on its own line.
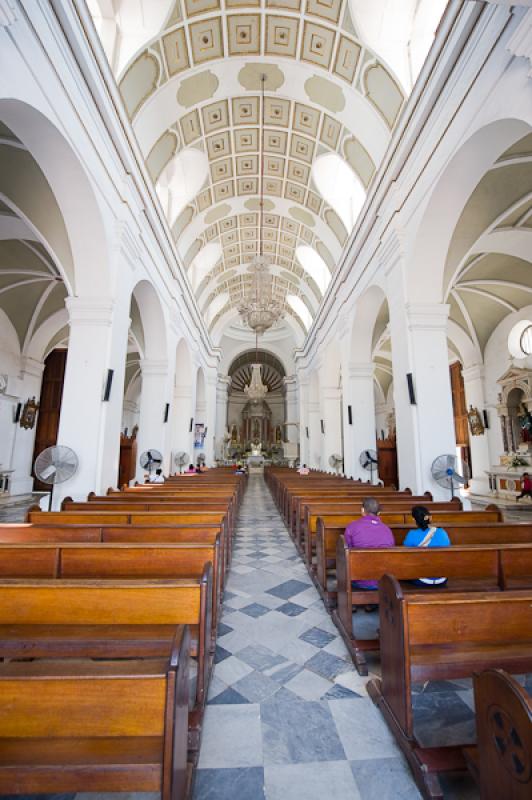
<point x="288" y="717"/>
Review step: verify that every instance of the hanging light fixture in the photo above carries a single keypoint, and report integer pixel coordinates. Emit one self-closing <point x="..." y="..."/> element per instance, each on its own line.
<point x="259" y="309"/>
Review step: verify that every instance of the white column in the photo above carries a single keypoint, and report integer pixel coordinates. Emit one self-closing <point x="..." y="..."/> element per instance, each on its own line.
<point x="479" y="445"/>
<point x="291" y="428"/>
<point x="360" y="435"/>
<point x="24" y="439"/>
<point x="153" y="432"/>
<point x="331" y="405"/>
<point x="304" y="440"/>
<point x="315" y="436"/>
<point x="182" y="413"/>
<point x="88" y="424"/>
<point x="211" y="383"/>
<point x="222" y="389"/>
<point x="424" y="430"/>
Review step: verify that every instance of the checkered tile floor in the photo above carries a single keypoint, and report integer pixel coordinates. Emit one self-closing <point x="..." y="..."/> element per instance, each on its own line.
<point x="288" y="717"/>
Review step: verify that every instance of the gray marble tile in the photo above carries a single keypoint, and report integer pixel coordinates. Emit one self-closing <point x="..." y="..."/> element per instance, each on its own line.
<point x="332" y="780"/>
<point x="228" y="697"/>
<point x="295" y="731"/>
<point x="385" y="779"/>
<point x="328" y="665"/>
<point x="362" y="730"/>
<point x="317" y="637"/>
<point x="442" y="718"/>
<point x="256" y="687"/>
<point x="232" y="737"/>
<point x="229" y="784"/>
<point x="291" y="609"/>
<point x="308" y="685"/>
<point x="260" y="657"/>
<point x="231" y="670"/>
<point x="288" y="589"/>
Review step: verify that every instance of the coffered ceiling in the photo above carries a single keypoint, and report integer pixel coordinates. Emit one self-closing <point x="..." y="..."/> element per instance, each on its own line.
<point x="194" y="84"/>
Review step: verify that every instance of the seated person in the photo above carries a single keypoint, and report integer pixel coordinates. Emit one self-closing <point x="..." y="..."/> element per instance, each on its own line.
<point x="240" y="470"/>
<point x="526" y="486"/>
<point x="368" y="531"/>
<point x="158" y="477"/>
<point x="426" y="535"/>
<point x="304" y="470"/>
<point x="191" y="470"/>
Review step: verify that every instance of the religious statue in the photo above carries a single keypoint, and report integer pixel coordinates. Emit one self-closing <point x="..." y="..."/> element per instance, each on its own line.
<point x="525" y="423"/>
<point x="475" y="421"/>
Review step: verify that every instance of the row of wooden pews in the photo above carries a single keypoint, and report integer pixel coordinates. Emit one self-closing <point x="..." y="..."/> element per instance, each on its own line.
<point x="478" y="625"/>
<point x="108" y="618"/>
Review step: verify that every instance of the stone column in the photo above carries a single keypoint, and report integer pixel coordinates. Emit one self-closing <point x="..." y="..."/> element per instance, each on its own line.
<point x="291" y="430"/>
<point x="361" y="434"/>
<point x="88" y="424"/>
<point x="424" y="430"/>
<point x="182" y="413"/>
<point x="304" y="441"/>
<point x="222" y="389"/>
<point x="331" y="404"/>
<point x="24" y="439"/>
<point x="479" y="445"/>
<point x="315" y="436"/>
<point x="153" y="432"/>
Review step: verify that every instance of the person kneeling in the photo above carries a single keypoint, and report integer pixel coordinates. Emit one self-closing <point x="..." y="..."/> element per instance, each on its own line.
<point x="426" y="535"/>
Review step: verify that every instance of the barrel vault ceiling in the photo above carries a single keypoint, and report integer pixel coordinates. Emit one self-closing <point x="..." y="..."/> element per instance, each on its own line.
<point x="190" y="76"/>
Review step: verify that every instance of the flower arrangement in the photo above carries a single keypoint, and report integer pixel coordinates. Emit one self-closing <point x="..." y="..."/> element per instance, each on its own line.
<point x="518" y="461"/>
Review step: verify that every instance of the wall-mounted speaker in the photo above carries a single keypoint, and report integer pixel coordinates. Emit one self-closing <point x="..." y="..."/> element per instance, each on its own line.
<point x="486" y="420"/>
<point x="18" y="410"/>
<point x="191" y="424"/>
<point x="350" y="415"/>
<point x="411" y="392"/>
<point x="108" y="384"/>
<point x="322" y="426"/>
<point x="166" y="411"/>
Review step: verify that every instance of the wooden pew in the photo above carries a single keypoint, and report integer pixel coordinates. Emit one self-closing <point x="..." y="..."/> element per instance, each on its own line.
<point x="110" y="619"/>
<point x="389" y="508"/>
<point x="443" y="636"/>
<point x="107" y="726"/>
<point x="327" y="536"/>
<point x="468" y="568"/>
<point x="501" y="763"/>
<point x="115" y="561"/>
<point x="148" y="518"/>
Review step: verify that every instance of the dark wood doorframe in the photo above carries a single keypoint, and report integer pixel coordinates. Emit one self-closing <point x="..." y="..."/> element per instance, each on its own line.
<point x="50" y="407"/>
<point x="461" y="422"/>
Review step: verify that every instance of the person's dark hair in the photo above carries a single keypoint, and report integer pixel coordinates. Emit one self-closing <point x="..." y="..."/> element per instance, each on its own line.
<point x="421" y="516"/>
<point x="191" y="466"/>
<point x="158" y="472"/>
<point x="525" y="473"/>
<point x="371" y="505"/>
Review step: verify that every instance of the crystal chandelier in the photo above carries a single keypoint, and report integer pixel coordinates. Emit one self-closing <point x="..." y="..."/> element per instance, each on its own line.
<point x="259" y="309"/>
<point x="256" y="390"/>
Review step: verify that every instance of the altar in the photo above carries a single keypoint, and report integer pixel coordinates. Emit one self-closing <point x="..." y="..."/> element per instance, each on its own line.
<point x="255" y="461"/>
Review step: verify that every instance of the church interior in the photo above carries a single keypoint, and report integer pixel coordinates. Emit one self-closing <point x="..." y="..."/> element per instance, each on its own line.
<point x="265" y="282"/>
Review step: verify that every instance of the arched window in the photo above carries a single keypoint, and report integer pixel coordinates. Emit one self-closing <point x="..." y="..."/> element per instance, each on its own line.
<point x="297" y="304"/>
<point x="181" y="180"/>
<point x="340" y="187"/>
<point x="314" y="265"/>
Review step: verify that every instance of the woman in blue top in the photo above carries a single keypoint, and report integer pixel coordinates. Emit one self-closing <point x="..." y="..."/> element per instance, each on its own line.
<point x="426" y="535"/>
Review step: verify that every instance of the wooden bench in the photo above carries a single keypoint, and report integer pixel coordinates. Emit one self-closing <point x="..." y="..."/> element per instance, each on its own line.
<point x="116" y="561"/>
<point x="136" y="519"/>
<point x="468" y="568"/>
<point x="110" y="619"/>
<point x="501" y="763"/>
<point x="443" y="636"/>
<point x="391" y="512"/>
<point x="327" y="536"/>
<point x="108" y="726"/>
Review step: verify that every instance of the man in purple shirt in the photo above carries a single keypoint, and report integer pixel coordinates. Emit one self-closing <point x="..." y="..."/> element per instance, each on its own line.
<point x="368" y="531"/>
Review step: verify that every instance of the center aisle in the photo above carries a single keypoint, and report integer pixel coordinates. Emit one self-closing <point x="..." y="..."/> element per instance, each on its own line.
<point x="288" y="716"/>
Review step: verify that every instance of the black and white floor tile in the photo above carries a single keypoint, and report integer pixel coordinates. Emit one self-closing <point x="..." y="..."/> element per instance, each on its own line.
<point x="288" y="716"/>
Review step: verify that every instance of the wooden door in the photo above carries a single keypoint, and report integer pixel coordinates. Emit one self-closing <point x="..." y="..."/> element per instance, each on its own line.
<point x="387" y="458"/>
<point x="461" y="422"/>
<point x="49" y="407"/>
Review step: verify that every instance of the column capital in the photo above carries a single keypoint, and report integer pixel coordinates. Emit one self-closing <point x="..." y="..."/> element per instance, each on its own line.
<point x="473" y="373"/>
<point x="153" y="367"/>
<point x="290" y="383"/>
<point x="90" y="311"/>
<point x="392" y="249"/>
<point x="29" y="366"/>
<point x="427" y="316"/>
<point x="361" y="371"/>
